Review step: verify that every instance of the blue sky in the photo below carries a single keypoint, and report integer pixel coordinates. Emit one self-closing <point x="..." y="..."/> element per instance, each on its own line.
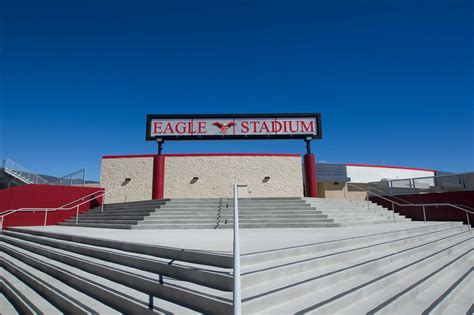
<point x="392" y="79"/>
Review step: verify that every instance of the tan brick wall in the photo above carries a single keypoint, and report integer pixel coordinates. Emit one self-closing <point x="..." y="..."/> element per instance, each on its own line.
<point x="216" y="175"/>
<point x="139" y="170"/>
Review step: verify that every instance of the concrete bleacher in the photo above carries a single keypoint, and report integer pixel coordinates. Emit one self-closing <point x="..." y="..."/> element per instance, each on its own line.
<point x="403" y="267"/>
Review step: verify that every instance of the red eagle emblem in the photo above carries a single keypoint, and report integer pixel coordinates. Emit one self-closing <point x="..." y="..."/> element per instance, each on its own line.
<point x="224" y="126"/>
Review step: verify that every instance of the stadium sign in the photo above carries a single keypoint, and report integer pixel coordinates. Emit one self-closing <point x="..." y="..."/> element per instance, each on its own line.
<point x="227" y="126"/>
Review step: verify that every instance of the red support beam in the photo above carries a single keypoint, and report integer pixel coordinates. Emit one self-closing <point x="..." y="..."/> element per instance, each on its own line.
<point x="158" y="177"/>
<point x="311" y="186"/>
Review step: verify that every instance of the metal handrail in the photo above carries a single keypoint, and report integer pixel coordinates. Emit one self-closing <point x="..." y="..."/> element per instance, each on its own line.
<point x="401" y="199"/>
<point x="415" y="204"/>
<point x="392" y="196"/>
<point x="62" y="208"/>
<point x="412" y="180"/>
<point x="3" y="214"/>
<point x="20" y="170"/>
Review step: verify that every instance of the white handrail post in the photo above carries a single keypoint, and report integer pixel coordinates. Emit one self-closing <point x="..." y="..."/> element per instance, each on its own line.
<point x="45" y="216"/>
<point x="468" y="223"/>
<point x="77" y="214"/>
<point x="424" y="214"/>
<point x="367" y="199"/>
<point x="237" y="299"/>
<point x="393" y="211"/>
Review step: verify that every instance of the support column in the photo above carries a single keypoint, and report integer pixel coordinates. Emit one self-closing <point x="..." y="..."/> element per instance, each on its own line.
<point x="158" y="177"/>
<point x="311" y="186"/>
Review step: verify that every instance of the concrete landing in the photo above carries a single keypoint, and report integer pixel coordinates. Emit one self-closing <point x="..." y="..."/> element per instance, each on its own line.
<point x="252" y="240"/>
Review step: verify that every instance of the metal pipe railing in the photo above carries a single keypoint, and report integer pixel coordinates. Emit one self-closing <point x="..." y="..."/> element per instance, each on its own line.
<point x="236" y="293"/>
<point x="435" y="183"/>
<point x="21" y="172"/>
<point x="423" y="205"/>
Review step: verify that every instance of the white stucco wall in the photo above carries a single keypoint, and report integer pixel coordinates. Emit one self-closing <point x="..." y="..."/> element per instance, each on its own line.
<point x="138" y="169"/>
<point x="216" y="175"/>
<point x="365" y="174"/>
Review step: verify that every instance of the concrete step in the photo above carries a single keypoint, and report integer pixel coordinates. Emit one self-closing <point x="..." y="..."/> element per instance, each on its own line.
<point x="242" y="225"/>
<point x="142" y="202"/>
<point x="365" y="222"/>
<point x="353" y="279"/>
<point x="350" y="209"/>
<point x="455" y="297"/>
<point x="99" y="225"/>
<point x="411" y="271"/>
<point x="242" y="221"/>
<point x="118" y="296"/>
<point x="116" y="217"/>
<point x="225" y="205"/>
<point x="128" y="208"/>
<point x="124" y="211"/>
<point x="458" y="298"/>
<point x="415" y="294"/>
<point x="22" y="296"/>
<point x="151" y="264"/>
<point x="250" y="208"/>
<point x="112" y="214"/>
<point x="60" y="296"/>
<point x="308" y="249"/>
<point x="241" y="211"/>
<point x="103" y="220"/>
<point x="8" y="306"/>
<point x="290" y="266"/>
<point x="133" y="278"/>
<point x="241" y="215"/>
<point x="192" y="256"/>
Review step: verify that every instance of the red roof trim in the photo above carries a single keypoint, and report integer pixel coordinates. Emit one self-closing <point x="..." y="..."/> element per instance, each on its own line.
<point x="127" y="156"/>
<point x="398" y="167"/>
<point x="196" y="154"/>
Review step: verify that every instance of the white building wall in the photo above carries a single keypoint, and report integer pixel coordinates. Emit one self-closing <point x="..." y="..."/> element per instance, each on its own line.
<point x="114" y="171"/>
<point x="216" y="175"/>
<point x="366" y="174"/>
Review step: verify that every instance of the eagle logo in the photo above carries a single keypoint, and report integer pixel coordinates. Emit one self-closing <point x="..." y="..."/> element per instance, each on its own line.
<point x="223" y="126"/>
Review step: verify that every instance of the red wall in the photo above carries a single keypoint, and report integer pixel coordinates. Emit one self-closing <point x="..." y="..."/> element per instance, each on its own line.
<point x="433" y="213"/>
<point x="43" y="196"/>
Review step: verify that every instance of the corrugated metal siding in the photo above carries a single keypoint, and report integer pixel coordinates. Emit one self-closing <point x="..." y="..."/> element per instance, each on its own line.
<point x="326" y="172"/>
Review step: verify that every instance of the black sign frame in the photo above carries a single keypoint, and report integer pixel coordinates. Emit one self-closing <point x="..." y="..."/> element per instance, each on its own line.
<point x="150" y="117"/>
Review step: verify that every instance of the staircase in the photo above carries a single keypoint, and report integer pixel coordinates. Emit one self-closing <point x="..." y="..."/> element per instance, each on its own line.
<point x="117" y="215"/>
<point x="409" y="271"/>
<point x="349" y="213"/>
<point x="50" y="273"/>
<point x="253" y="213"/>
<point x="20" y="173"/>
<point x="213" y="213"/>
<point x="405" y="268"/>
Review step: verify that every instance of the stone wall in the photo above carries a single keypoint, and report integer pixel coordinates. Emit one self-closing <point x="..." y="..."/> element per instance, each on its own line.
<point x="114" y="171"/>
<point x="215" y="175"/>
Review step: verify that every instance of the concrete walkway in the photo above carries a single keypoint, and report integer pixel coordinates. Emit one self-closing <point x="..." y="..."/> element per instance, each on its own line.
<point x="252" y="240"/>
